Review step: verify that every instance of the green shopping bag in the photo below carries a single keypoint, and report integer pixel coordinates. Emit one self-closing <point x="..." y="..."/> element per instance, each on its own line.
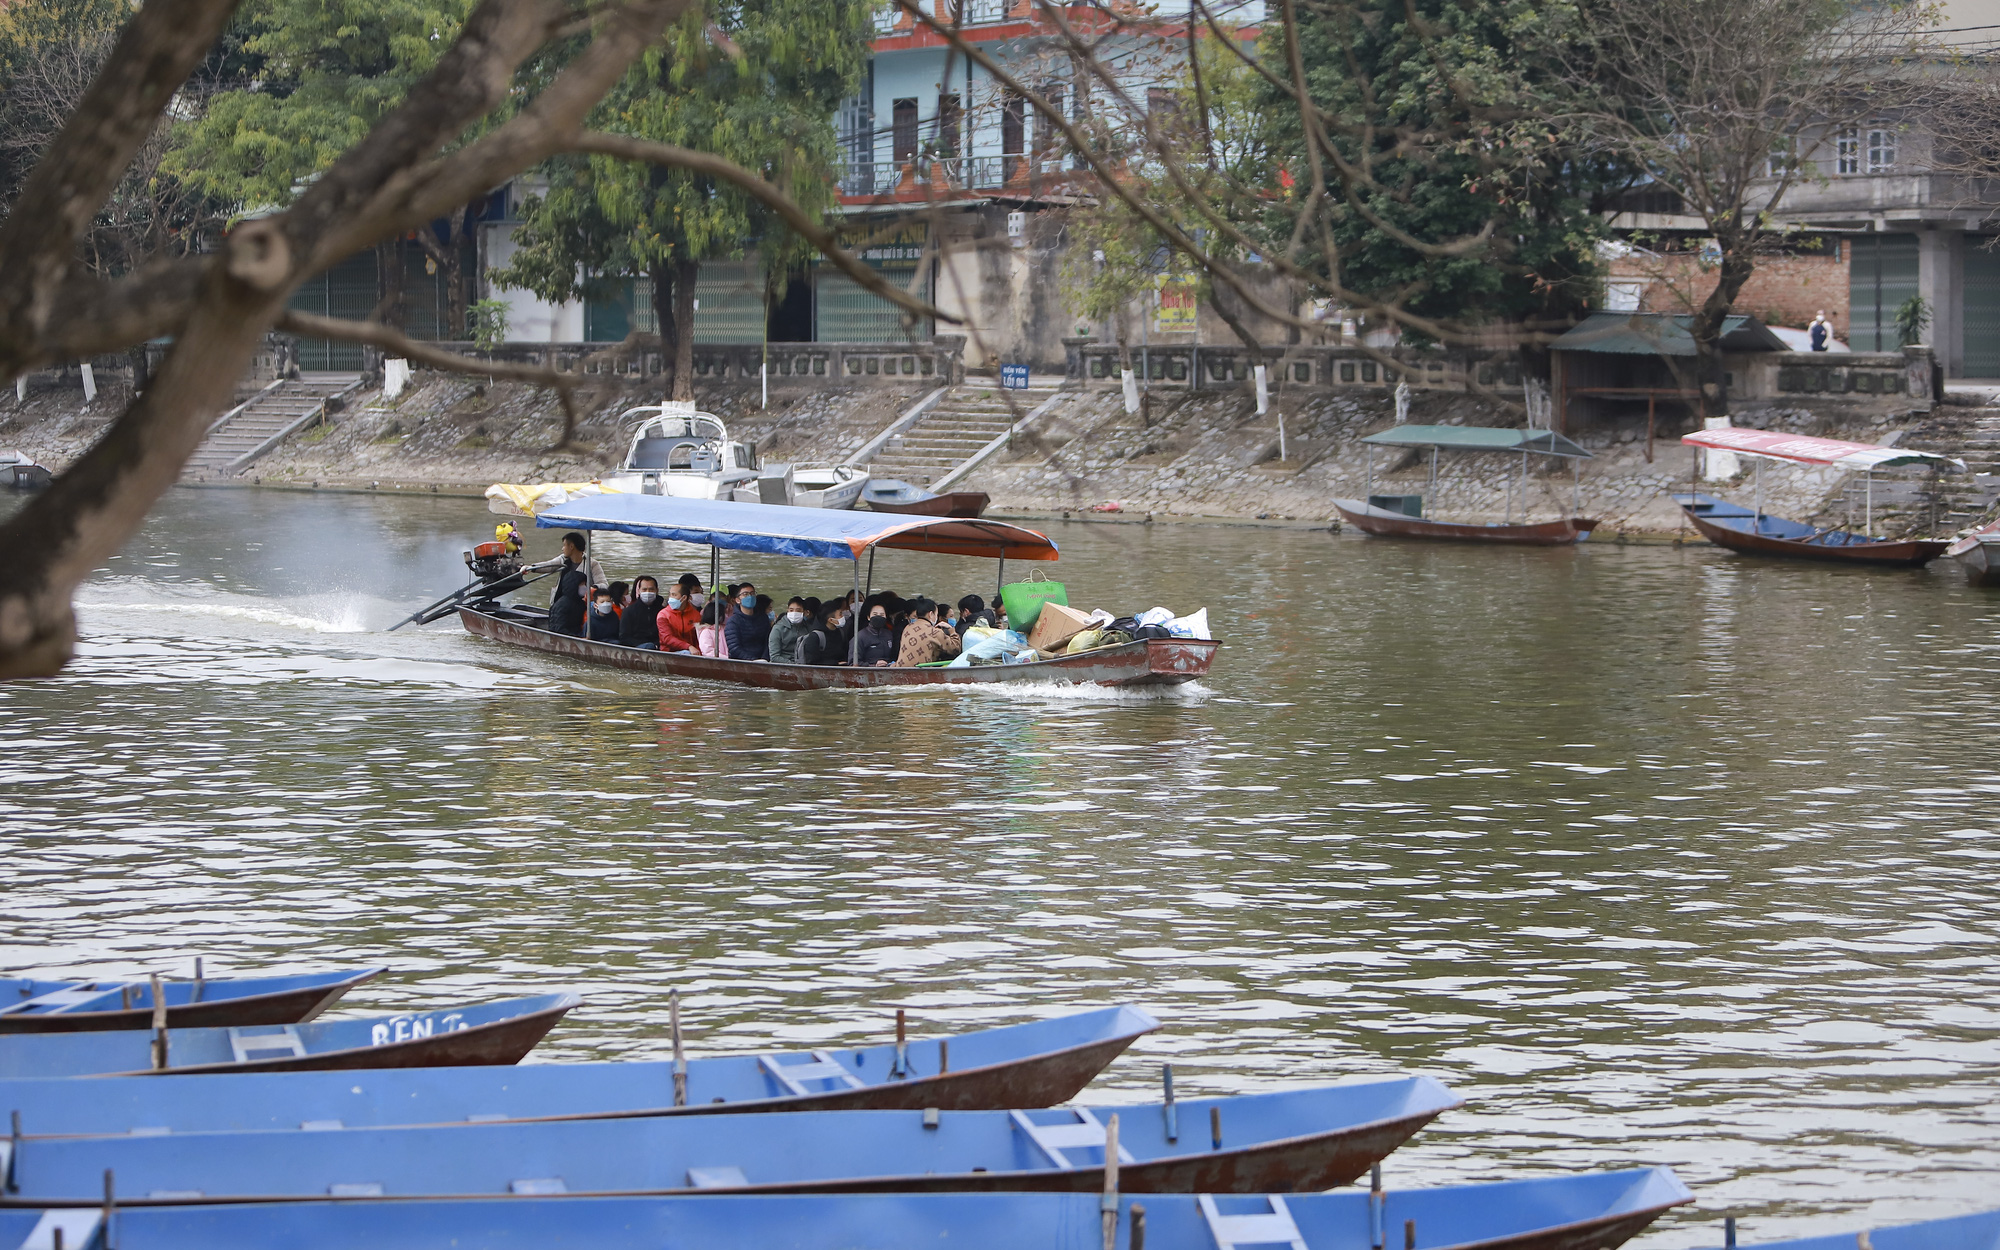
<point x="1024" y="600"/>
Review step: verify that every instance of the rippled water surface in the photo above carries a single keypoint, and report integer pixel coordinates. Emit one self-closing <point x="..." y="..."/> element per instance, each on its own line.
<point x="1657" y="856"/>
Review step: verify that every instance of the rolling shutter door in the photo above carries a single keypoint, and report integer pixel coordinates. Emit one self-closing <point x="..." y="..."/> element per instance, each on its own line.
<point x="1880" y="278"/>
<point x="1982" y="309"/>
<point x="845" y="313"/>
<point x="730" y="298"/>
<point x="348" y="290"/>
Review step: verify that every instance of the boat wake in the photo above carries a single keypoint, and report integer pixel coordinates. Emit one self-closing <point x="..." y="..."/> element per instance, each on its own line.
<point x="1087" y="692"/>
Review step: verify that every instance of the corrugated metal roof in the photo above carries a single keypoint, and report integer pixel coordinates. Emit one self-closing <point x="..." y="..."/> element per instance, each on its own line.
<point x="1657" y="334"/>
<point x="1477" y="438"/>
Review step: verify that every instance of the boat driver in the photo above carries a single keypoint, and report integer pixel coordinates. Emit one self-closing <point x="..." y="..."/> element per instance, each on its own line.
<point x="579" y="576"/>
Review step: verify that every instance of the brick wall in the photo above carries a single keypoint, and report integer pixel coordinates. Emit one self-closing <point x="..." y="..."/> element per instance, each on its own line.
<point x="1783" y="291"/>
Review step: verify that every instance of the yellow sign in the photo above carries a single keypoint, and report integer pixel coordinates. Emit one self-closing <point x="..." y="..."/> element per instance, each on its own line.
<point x="1175" y="311"/>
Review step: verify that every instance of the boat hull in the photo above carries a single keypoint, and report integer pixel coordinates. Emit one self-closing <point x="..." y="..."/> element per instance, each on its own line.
<point x="957" y="503"/>
<point x="1578" y="1212"/>
<point x="489" y="1033"/>
<point x="1979" y="555"/>
<point x="1911" y="553"/>
<point x="1151" y="662"/>
<point x="1294" y="1141"/>
<point x="293" y="1005"/>
<point x="1037" y="1064"/>
<point x="1386" y="524"/>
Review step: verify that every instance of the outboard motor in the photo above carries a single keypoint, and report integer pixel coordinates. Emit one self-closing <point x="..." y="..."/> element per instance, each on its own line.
<point x="495" y="569"/>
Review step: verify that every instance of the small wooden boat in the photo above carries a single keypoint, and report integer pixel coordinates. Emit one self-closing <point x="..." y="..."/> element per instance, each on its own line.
<point x="1023" y="1065"/>
<point x="21" y="473"/>
<point x="1384" y="523"/>
<point x="499" y="1032"/>
<point x="28" y="1006"/>
<point x="1147" y="662"/>
<point x="1587" y="1211"/>
<point x="1980" y="1231"/>
<point x="1297" y="1141"/>
<point x="1756" y="533"/>
<point x="891" y="495"/>
<point x="1978" y="553"/>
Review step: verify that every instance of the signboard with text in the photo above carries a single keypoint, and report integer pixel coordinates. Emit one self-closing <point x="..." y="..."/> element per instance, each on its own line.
<point x="1175" y="311"/>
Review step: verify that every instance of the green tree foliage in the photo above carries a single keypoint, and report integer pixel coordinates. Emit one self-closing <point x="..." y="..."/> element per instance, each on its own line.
<point x="756" y="81"/>
<point x="1451" y="198"/>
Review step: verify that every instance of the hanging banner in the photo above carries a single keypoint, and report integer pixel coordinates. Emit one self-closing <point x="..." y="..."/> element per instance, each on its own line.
<point x="1174" y="312"/>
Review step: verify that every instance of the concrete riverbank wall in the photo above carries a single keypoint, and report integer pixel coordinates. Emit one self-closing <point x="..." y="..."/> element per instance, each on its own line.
<point x="1184" y="455"/>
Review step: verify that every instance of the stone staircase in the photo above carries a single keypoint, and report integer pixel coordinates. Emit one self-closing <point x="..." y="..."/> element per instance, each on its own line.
<point x="1911" y="504"/>
<point x="960" y="424"/>
<point x="254" y="427"/>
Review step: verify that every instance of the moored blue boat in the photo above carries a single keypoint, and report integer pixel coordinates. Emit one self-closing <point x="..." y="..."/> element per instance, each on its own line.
<point x="1023" y="1065"/>
<point x="1582" y="1212"/>
<point x="1280" y="1142"/>
<point x="1962" y="1232"/>
<point x="31" y="1006"/>
<point x="487" y="1033"/>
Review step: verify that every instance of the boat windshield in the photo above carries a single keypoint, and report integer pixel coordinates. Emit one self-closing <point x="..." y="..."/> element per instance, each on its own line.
<point x="658" y="424"/>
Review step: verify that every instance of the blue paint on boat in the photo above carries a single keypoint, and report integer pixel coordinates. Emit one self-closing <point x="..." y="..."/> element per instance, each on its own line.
<point x="1749" y="521"/>
<point x="1297" y="1140"/>
<point x="565" y="1091"/>
<point x="251" y="1046"/>
<point x="22" y="998"/>
<point x="1963" y="1232"/>
<point x="1594" y="1210"/>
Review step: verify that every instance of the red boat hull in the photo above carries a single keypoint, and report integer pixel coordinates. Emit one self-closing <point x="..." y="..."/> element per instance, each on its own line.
<point x="1385" y="524"/>
<point x="958" y="503"/>
<point x="1153" y="662"/>
<point x="1908" y="554"/>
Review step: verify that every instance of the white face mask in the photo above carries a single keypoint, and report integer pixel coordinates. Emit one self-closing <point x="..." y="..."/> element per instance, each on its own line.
<point x="796" y="618"/>
<point x="647" y="596"/>
<point x="602" y="608"/>
<point x="700" y="599"/>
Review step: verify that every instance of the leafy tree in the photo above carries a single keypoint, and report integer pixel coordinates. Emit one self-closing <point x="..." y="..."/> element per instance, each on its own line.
<point x="756" y="81"/>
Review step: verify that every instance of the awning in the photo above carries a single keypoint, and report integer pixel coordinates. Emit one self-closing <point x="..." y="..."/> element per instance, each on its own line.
<point x="776" y="529"/>
<point x="1802" y="449"/>
<point x="1660" y="334"/>
<point x="1478" y="438"/>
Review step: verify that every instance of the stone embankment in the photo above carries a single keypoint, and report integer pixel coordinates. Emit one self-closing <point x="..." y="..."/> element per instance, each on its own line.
<point x="1184" y="455"/>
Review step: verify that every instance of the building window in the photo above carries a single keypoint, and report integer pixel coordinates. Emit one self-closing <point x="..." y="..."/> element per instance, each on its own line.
<point x="906" y="129"/>
<point x="1847" y="152"/>
<point x="1013" y="124"/>
<point x="1624" y="294"/>
<point x="950" y="119"/>
<point x="1881" y="147"/>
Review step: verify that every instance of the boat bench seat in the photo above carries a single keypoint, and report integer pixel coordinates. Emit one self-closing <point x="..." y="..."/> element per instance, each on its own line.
<point x="69" y="998"/>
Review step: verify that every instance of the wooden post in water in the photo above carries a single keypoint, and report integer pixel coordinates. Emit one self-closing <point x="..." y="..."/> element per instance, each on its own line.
<point x="198" y="980"/>
<point x="159" y="1025"/>
<point x="1167" y="1107"/>
<point x="1138" y="1227"/>
<point x="680" y="1057"/>
<point x="901" y="1067"/>
<point x="1109" y="1203"/>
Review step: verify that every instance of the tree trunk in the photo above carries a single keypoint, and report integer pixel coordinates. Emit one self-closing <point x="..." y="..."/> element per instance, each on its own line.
<point x="448" y="254"/>
<point x="664" y="305"/>
<point x="685" y="273"/>
<point x="391" y="308"/>
<point x="95" y="505"/>
<point x="1711" y="375"/>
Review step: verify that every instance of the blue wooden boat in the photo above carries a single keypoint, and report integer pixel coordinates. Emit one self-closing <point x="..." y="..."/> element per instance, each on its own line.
<point x="1262" y="1143"/>
<point x="1962" y="1232"/>
<point x="1591" y="1211"/>
<point x="1023" y="1065"/>
<point x="29" y="1006"/>
<point x="1759" y="533"/>
<point x="498" y="1032"/>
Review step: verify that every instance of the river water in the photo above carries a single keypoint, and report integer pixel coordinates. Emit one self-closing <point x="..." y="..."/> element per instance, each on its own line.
<point x="1655" y="855"/>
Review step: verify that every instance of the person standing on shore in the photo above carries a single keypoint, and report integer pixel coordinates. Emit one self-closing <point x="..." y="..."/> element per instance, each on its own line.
<point x="1820" y="332"/>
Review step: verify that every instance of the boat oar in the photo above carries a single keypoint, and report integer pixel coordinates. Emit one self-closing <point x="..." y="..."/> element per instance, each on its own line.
<point x="425" y="616"/>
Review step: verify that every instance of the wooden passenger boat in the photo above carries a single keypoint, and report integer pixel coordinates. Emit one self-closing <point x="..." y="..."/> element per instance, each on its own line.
<point x="1384" y="523"/>
<point x="498" y="1032"/>
<point x="1296" y="1141"/>
<point x="814" y="533"/>
<point x="1587" y="1211"/>
<point x="1978" y="553"/>
<point x="891" y="495"/>
<point x="1980" y="1231"/>
<point x="1754" y="533"/>
<point x="1147" y="662"/>
<point x="1020" y="1066"/>
<point x="29" y="1006"/>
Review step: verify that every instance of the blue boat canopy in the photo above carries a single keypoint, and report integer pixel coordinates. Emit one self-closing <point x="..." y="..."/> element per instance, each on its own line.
<point x="1478" y="438"/>
<point x="776" y="529"/>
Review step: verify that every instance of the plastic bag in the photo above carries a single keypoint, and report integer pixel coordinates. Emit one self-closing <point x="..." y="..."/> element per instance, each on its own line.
<point x="1155" y="616"/>
<point x="984" y="645"/>
<point x="1194" y="625"/>
<point x="1085" y="641"/>
<point x="1024" y="600"/>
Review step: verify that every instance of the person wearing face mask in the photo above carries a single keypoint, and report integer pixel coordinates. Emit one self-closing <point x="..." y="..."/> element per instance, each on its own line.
<point x="677" y="621"/>
<point x="640" y="625"/>
<point x="877" y="640"/>
<point x="827" y="643"/>
<point x="748" y="631"/>
<point x="925" y="641"/>
<point x="602" y="625"/>
<point x="783" y="644"/>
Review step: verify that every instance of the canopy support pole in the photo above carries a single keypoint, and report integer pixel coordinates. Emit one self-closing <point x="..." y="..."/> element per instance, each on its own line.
<point x="1368" y="475"/>
<point x="1510" y="494"/>
<point x="1868" y="524"/>
<point x="1575" y="488"/>
<point x="1434" y="479"/>
<point x="854" y="641"/>
<point x="1760" y="497"/>
<point x="868" y="588"/>
<point x="999" y="581"/>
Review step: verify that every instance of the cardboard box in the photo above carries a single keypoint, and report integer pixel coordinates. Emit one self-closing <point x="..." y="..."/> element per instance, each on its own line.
<point x="1055" y="626"/>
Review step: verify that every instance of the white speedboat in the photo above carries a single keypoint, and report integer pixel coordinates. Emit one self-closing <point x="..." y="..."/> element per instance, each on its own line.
<point x="686" y="454"/>
<point x="837" y="487"/>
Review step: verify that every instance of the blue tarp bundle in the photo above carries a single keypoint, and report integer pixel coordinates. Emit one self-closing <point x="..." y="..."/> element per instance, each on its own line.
<point x="786" y="531"/>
